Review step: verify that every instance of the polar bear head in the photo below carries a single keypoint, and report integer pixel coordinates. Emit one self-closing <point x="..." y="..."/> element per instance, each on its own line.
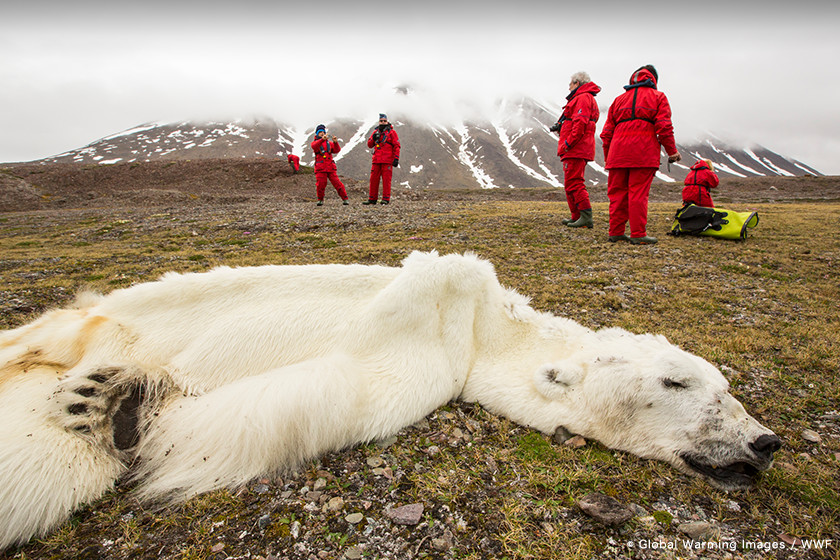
<point x="640" y="394"/>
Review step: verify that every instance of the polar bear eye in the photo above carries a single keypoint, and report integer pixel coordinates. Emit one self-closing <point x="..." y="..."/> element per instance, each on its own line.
<point x="673" y="384"/>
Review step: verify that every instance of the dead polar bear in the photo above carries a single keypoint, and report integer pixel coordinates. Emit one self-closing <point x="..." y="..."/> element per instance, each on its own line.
<point x="208" y="380"/>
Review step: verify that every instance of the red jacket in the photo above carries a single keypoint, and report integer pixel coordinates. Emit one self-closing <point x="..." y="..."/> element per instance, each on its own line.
<point x="324" y="149"/>
<point x="698" y="184"/>
<point x="577" y="131"/>
<point x="386" y="147"/>
<point x="638" y="122"/>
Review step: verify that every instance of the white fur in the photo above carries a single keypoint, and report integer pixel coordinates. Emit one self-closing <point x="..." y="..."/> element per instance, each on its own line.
<point x="252" y="370"/>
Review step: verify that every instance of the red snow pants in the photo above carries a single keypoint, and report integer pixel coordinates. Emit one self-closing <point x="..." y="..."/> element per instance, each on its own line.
<point x="628" y="189"/>
<point x="385" y="171"/>
<point x="576" y="194"/>
<point x="321" y="184"/>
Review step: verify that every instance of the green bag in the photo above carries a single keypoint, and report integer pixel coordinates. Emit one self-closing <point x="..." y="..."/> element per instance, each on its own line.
<point x="715" y="222"/>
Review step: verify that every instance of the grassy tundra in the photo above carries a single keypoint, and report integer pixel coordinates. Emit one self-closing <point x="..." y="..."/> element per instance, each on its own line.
<point x="765" y="311"/>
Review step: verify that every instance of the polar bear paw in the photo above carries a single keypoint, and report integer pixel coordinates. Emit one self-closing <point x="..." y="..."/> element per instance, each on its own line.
<point x="100" y="405"/>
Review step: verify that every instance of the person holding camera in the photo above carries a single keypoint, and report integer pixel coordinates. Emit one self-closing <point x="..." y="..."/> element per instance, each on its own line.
<point x="325" y="165"/>
<point x="699" y="184"/>
<point x="577" y="145"/>
<point x="638" y="123"/>
<point x="386" y="155"/>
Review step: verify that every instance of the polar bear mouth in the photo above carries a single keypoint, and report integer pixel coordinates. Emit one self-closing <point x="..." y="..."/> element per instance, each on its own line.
<point x="740" y="474"/>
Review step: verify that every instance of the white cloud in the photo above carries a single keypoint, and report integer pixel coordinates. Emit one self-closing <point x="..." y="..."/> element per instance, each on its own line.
<point x="84" y="71"/>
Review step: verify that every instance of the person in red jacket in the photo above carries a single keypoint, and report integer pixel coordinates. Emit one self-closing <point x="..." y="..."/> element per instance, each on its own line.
<point x="577" y="145"/>
<point x="386" y="155"/>
<point x="638" y="123"/>
<point x="325" y="166"/>
<point x="698" y="184"/>
<point x="294" y="161"/>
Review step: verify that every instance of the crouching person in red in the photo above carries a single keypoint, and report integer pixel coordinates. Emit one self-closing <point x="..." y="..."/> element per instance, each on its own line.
<point x="386" y="155"/>
<point x="294" y="161"/>
<point x="698" y="184"/>
<point x="638" y="123"/>
<point x="577" y="145"/>
<point x="325" y="166"/>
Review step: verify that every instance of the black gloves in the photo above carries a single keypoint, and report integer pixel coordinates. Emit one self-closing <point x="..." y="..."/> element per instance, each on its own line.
<point x="396" y="162"/>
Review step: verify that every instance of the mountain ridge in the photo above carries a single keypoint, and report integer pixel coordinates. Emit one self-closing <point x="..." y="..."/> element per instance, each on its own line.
<point x="512" y="148"/>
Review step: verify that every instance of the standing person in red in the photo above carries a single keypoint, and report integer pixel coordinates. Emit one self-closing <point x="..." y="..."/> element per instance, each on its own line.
<point x="386" y="156"/>
<point x="638" y="123"/>
<point x="325" y="166"/>
<point x="698" y="184"/>
<point x="577" y="145"/>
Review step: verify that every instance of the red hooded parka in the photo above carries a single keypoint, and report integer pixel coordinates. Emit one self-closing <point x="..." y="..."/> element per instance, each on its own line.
<point x="580" y="115"/>
<point x="698" y="184"/>
<point x="638" y="122"/>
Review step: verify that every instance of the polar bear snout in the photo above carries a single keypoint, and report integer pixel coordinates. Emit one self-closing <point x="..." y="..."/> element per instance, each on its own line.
<point x="765" y="446"/>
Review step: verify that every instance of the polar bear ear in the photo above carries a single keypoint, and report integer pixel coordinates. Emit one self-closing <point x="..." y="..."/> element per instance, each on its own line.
<point x="552" y="380"/>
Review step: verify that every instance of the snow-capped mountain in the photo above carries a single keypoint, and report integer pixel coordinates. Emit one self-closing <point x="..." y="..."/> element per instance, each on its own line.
<point x="511" y="147"/>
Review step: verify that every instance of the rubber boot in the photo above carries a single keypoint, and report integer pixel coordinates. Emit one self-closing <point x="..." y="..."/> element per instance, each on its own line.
<point x="646" y="240"/>
<point x="585" y="219"/>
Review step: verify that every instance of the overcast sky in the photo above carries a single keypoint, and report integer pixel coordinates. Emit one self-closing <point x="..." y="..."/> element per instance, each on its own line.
<point x="753" y="72"/>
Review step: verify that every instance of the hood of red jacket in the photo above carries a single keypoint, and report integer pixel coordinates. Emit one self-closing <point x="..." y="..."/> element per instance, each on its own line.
<point x="700" y="165"/>
<point x="588" y="87"/>
<point x="641" y="76"/>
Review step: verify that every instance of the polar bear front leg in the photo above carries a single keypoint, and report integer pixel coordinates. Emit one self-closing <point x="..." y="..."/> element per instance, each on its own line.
<point x="56" y="449"/>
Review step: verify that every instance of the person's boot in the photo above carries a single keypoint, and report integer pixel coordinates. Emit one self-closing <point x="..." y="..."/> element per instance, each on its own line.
<point x="585" y="219"/>
<point x="622" y="237"/>
<point x="369" y="201"/>
<point x="567" y="221"/>
<point x="646" y="240"/>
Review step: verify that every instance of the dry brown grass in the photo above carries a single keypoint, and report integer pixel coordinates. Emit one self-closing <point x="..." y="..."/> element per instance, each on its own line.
<point x="764" y="310"/>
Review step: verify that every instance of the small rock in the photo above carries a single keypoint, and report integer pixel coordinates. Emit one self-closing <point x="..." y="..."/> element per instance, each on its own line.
<point x="697" y="529"/>
<point x="374" y="462"/>
<point x="354" y="518"/>
<point x="562" y="435"/>
<point x="218" y="547"/>
<point x="294" y="529"/>
<point x="353" y="553"/>
<point x="263" y="522"/>
<point x="576" y="442"/>
<point x="811" y="436"/>
<point x="261" y="488"/>
<point x="320" y="484"/>
<point x="432" y="450"/>
<point x="605" y="509"/>
<point x="732" y="505"/>
<point x="335" y="504"/>
<point x="406" y="515"/>
<point x="386" y="442"/>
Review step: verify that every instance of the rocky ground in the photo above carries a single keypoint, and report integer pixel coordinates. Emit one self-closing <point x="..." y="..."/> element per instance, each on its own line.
<point x="31" y="186"/>
<point x="461" y="483"/>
